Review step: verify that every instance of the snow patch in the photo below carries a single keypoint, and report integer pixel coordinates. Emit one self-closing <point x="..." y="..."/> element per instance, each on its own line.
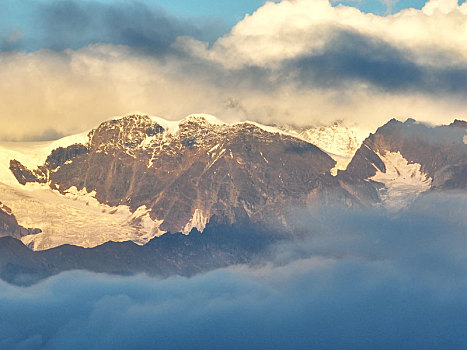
<point x="341" y="163"/>
<point x="198" y="221"/>
<point x="172" y="126"/>
<point x="214" y="148"/>
<point x="267" y="161"/>
<point x="465" y="139"/>
<point x="75" y="218"/>
<point x="169" y="126"/>
<point x="208" y="117"/>
<point x="215" y="157"/>
<point x="403" y="181"/>
<point x="270" y="129"/>
<point x="339" y="141"/>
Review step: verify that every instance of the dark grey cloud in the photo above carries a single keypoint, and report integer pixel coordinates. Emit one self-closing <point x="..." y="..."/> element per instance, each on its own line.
<point x="62" y="24"/>
<point x="351" y="58"/>
<point x="348" y="61"/>
<point x="359" y="280"/>
<point x="426" y="238"/>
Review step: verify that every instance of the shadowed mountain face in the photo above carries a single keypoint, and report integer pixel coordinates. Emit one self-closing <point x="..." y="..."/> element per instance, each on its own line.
<point x="218" y="246"/>
<point x="201" y="172"/>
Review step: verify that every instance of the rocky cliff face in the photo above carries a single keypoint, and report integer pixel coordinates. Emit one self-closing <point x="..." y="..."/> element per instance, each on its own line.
<point x="9" y="225"/>
<point x="196" y="171"/>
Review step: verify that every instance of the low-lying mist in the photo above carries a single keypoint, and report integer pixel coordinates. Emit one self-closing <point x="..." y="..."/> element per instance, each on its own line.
<point x="366" y="279"/>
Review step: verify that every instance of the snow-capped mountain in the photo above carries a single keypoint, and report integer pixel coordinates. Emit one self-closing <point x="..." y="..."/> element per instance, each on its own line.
<point x="134" y="178"/>
<point x="137" y="177"/>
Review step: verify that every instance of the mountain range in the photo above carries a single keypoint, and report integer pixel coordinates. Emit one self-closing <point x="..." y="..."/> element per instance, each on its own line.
<point x="143" y="194"/>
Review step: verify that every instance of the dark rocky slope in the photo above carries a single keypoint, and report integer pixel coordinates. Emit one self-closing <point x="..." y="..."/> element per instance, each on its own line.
<point x="218" y="246"/>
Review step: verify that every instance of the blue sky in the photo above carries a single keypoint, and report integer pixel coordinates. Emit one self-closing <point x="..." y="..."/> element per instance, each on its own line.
<point x="233" y="11"/>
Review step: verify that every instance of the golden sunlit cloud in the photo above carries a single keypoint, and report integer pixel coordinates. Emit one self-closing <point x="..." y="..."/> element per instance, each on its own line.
<point x="303" y="62"/>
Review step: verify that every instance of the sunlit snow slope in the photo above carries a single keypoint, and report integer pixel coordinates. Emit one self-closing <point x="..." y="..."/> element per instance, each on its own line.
<point x="75" y="218"/>
<point x="337" y="139"/>
<point x="403" y="181"/>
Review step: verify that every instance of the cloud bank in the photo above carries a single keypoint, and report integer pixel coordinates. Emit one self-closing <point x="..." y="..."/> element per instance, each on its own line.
<point x="304" y="62"/>
<point x="358" y="281"/>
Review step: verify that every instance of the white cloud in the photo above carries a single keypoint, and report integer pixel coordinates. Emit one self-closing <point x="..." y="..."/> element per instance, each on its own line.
<point x="443" y="6"/>
<point x="72" y="91"/>
<point x="287" y="29"/>
<point x="258" y="66"/>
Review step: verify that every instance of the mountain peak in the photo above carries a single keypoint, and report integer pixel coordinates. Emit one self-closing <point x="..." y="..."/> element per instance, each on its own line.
<point x="457" y="123"/>
<point x="202" y="119"/>
<point x="178" y="175"/>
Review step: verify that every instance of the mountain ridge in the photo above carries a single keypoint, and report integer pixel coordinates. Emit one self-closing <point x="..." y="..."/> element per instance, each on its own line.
<point x="192" y="173"/>
<point x="161" y="176"/>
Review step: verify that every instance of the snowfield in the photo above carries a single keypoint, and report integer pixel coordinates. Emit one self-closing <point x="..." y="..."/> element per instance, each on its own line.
<point x="75" y="218"/>
<point x="404" y="181"/>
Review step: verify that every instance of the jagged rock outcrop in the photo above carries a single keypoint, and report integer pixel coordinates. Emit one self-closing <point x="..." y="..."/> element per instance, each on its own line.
<point x="24" y="175"/>
<point x="9" y="225"/>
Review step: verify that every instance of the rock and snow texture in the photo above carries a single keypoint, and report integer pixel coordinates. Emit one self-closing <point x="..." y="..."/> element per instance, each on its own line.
<point x="31" y="154"/>
<point x="403" y="181"/>
<point x="137" y="177"/>
<point x="70" y="218"/>
<point x="198" y="221"/>
<point x="409" y="158"/>
<point x="337" y="140"/>
<point x="146" y="176"/>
